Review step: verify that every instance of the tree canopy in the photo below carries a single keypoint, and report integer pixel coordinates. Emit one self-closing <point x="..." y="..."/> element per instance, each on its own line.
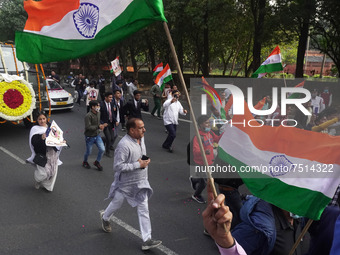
<point x="233" y="37"/>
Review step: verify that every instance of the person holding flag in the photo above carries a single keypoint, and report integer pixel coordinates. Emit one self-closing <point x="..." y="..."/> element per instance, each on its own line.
<point x="156" y="92"/>
<point x="172" y="107"/>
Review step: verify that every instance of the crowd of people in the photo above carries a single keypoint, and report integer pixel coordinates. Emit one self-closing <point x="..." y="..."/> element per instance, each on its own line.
<point x="238" y="225"/>
<point x="108" y="111"/>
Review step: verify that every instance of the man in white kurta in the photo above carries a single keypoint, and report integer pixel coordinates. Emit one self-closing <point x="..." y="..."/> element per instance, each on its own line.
<point x="131" y="181"/>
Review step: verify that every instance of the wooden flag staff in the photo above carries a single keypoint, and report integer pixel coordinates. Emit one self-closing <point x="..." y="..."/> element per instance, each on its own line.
<point x="181" y="78"/>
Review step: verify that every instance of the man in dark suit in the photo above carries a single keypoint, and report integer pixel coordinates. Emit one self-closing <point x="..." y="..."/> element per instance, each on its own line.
<point x="118" y="104"/>
<point x="133" y="108"/>
<point x="107" y="116"/>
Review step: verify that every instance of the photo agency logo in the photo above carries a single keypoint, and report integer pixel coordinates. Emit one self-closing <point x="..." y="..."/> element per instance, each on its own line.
<point x="261" y="114"/>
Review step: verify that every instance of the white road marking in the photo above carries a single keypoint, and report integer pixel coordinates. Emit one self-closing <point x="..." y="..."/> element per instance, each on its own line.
<point x="137" y="233"/>
<point x="13" y="155"/>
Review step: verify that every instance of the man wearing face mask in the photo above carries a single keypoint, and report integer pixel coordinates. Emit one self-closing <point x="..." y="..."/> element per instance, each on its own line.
<point x="208" y="139"/>
<point x="92" y="130"/>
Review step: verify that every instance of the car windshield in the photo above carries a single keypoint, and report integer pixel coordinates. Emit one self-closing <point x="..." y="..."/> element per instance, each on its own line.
<point x="53" y="85"/>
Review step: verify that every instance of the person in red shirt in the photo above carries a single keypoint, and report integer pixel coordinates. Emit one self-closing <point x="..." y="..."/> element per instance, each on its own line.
<point x="208" y="139"/>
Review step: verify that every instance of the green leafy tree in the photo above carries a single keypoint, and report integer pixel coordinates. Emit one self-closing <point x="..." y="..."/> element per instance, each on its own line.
<point x="12" y="17"/>
<point x="326" y="32"/>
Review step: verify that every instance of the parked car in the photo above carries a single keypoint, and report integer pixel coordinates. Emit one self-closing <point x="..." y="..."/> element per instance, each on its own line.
<point x="60" y="99"/>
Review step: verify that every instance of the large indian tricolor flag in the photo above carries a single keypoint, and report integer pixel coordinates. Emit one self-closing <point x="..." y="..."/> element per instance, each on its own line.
<point x="58" y="30"/>
<point x="273" y="63"/>
<point x="294" y="169"/>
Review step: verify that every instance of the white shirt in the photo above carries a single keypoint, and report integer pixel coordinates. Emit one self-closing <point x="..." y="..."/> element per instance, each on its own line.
<point x="317" y="104"/>
<point x="131" y="88"/>
<point x="171" y="111"/>
<point x="118" y="106"/>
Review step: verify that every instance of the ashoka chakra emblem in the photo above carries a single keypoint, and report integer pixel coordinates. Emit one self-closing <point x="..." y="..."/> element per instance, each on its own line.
<point x="280" y="165"/>
<point x="86" y="19"/>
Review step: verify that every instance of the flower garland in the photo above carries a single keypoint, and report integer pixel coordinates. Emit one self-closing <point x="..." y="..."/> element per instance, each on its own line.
<point x="17" y="99"/>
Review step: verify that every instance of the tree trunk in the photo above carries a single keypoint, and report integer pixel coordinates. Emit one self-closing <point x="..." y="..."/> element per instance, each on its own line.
<point x="323" y="65"/>
<point x="246" y="67"/>
<point x="234" y="60"/>
<point x="151" y="51"/>
<point x="180" y="53"/>
<point x="205" y="62"/>
<point x="259" y="12"/>
<point x="303" y="38"/>
<point x="122" y="59"/>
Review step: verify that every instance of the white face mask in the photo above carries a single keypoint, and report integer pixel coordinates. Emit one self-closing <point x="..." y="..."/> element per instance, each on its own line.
<point x="97" y="109"/>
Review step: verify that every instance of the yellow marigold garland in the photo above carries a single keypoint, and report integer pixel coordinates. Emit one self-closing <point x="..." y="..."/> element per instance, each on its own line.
<point x="28" y="102"/>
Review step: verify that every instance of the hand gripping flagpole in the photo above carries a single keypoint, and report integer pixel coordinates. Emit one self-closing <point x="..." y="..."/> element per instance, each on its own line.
<point x="181" y="78"/>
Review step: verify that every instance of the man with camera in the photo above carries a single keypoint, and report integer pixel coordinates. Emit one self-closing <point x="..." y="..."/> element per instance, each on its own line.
<point x="172" y="107"/>
<point x="131" y="181"/>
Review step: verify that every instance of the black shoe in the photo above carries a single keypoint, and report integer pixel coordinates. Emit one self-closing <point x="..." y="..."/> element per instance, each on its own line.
<point x="198" y="199"/>
<point x="107" y="154"/>
<point x="97" y="164"/>
<point x="149" y="244"/>
<point x="86" y="165"/>
<point x="112" y="148"/>
<point x="153" y="115"/>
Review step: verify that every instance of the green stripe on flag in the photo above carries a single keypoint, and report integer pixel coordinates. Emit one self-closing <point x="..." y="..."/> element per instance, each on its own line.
<point x="297" y="200"/>
<point x="33" y="48"/>
<point x="268" y="69"/>
<point x="167" y="79"/>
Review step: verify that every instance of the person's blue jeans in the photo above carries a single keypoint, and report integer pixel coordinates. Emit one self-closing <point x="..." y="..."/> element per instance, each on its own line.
<point x="171" y="128"/>
<point x="90" y="140"/>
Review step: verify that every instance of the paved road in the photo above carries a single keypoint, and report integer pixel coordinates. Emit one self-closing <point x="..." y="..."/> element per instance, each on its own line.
<point x="66" y="221"/>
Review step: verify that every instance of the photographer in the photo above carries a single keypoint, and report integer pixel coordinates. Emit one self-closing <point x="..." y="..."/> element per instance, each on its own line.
<point x="172" y="107"/>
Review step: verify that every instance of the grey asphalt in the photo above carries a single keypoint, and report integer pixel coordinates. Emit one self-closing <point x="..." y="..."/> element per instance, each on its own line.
<point x="66" y="221"/>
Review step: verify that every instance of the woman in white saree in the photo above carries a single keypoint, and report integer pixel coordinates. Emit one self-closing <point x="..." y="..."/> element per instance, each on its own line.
<point x="46" y="172"/>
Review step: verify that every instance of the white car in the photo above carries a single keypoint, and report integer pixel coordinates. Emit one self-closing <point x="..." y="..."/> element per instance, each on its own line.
<point x="60" y="99"/>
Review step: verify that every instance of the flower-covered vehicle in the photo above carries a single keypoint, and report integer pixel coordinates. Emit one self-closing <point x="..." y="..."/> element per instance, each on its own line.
<point x="21" y="91"/>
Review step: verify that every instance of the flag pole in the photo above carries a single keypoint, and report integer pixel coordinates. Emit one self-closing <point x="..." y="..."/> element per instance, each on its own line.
<point x="302" y="234"/>
<point x="283" y="75"/>
<point x="181" y="78"/>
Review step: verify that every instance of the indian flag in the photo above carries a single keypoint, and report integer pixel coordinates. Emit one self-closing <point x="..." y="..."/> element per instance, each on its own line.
<point x="58" y="30"/>
<point x="297" y="95"/>
<point x="158" y="69"/>
<point x="294" y="169"/>
<point x="272" y="64"/>
<point x="163" y="77"/>
<point x="214" y="98"/>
